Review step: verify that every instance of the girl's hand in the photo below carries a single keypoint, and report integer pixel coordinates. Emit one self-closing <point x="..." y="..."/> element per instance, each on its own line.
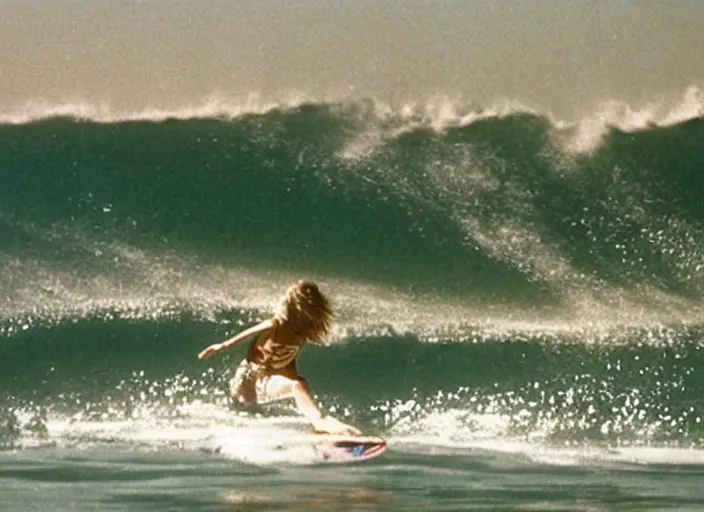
<point x="209" y="351"/>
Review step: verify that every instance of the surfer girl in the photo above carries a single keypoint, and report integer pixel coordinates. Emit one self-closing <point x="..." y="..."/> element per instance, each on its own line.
<point x="268" y="372"/>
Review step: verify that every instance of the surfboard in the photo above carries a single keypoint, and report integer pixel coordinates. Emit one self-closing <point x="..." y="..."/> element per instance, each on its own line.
<point x="275" y="445"/>
<point x="341" y="449"/>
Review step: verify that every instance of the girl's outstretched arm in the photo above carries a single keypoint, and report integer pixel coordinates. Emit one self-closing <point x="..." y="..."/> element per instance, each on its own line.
<point x="217" y="347"/>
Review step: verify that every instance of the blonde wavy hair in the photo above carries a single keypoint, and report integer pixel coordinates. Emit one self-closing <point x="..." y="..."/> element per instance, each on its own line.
<point x="308" y="310"/>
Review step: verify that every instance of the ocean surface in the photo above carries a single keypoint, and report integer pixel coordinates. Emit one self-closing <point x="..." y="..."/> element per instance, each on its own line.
<point x="520" y="307"/>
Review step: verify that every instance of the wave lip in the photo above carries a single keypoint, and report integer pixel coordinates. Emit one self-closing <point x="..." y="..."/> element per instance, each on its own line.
<point x="436" y="111"/>
<point x="215" y="106"/>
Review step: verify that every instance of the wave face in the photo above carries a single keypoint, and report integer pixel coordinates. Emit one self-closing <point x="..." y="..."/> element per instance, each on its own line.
<point x="483" y="269"/>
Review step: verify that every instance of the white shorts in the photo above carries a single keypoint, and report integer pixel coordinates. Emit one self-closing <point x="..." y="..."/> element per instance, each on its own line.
<point x="267" y="387"/>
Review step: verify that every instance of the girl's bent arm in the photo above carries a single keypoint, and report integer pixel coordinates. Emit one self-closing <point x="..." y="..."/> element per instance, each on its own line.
<point x="217" y="347"/>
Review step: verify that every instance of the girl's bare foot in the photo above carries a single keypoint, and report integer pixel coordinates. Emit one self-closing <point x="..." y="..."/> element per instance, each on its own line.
<point x="330" y="425"/>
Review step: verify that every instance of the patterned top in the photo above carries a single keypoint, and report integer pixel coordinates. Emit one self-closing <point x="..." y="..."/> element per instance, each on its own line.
<point x="271" y="354"/>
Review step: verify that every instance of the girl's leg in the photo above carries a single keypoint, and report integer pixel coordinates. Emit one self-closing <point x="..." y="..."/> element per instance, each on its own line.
<point x="277" y="387"/>
<point x="242" y="385"/>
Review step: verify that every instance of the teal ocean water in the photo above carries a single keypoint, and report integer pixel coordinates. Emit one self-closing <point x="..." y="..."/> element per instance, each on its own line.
<point x="519" y="308"/>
